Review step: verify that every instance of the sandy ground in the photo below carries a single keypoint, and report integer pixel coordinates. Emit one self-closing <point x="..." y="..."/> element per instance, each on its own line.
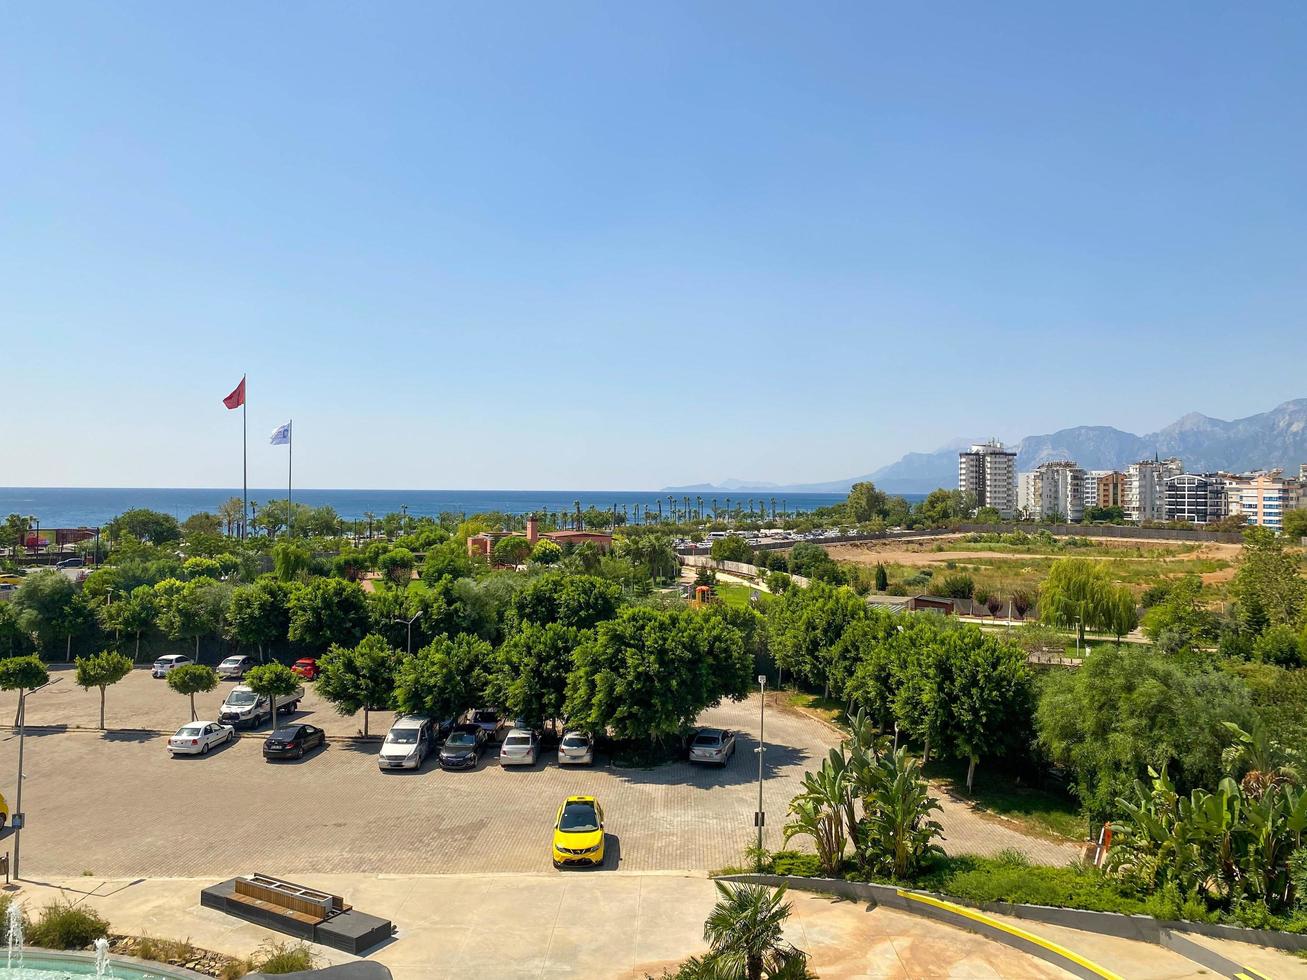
<point x="923" y="554"/>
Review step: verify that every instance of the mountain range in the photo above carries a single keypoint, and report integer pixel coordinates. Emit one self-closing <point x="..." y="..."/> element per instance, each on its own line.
<point x="1263" y="441"/>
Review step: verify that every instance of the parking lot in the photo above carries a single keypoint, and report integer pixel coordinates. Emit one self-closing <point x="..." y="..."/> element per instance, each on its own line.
<point x="111" y="803"/>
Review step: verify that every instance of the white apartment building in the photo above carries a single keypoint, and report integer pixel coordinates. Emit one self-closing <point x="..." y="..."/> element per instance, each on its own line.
<point x="1145" y="488"/>
<point x="1091" y="487"/>
<point x="988" y="474"/>
<point x="1055" y="489"/>
<point x="1262" y="498"/>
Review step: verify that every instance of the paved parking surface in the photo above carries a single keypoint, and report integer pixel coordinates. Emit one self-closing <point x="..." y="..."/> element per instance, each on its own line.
<point x="110" y="803"/>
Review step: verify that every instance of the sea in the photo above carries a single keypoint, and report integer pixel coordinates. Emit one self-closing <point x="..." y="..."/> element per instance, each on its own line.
<point x="92" y="507"/>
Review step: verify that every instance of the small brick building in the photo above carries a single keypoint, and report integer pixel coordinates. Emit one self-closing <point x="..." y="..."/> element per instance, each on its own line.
<point x="483" y="544"/>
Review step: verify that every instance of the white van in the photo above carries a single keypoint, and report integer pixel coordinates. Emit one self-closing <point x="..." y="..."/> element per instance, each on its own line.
<point x="407" y="743"/>
<point x="244" y="707"/>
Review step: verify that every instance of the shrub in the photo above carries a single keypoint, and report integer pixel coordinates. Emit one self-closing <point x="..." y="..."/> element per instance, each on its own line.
<point x="796" y="863"/>
<point x="280" y="957"/>
<point x="164" y="950"/>
<point x="957" y="586"/>
<point x="63" y="925"/>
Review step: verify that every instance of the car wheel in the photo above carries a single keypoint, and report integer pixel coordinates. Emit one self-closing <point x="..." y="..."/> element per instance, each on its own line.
<point x="204" y="749"/>
<point x="300" y="753"/>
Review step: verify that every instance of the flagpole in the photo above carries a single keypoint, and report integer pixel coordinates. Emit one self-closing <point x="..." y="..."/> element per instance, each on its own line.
<point x="290" y="451"/>
<point x="245" y="466"/>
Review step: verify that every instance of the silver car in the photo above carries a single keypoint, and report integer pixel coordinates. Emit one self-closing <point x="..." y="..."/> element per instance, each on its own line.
<point x="713" y="745"/>
<point x="576" y="749"/>
<point x="520" y="748"/>
<point x="198" y="737"/>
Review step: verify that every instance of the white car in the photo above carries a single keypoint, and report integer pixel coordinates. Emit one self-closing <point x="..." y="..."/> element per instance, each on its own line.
<point x="520" y="748"/>
<point x="243" y="707"/>
<point x="407" y="743"/>
<point x="171" y="662"/>
<point x="234" y="668"/>
<point x="200" y="736"/>
<point x="576" y="749"/>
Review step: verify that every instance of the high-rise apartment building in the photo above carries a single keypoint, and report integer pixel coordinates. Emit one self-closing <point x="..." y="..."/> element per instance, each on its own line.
<point x="1262" y="498"/>
<point x="1105" y="488"/>
<point x="1055" y="489"/>
<point x="1145" y="488"/>
<point x="988" y="474"/>
<point x="1198" y="498"/>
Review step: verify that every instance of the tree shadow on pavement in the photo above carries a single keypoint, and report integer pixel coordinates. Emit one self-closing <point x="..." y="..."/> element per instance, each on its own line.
<point x="743" y="767"/>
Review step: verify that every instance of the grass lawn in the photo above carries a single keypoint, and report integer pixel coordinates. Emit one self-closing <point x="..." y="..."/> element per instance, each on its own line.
<point x="814" y="704"/>
<point x="734" y="594"/>
<point x="1047" y="811"/>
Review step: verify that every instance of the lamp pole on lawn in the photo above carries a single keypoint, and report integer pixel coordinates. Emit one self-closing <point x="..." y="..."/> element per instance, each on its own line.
<point x="760" y="818"/>
<point x="409" y="623"/>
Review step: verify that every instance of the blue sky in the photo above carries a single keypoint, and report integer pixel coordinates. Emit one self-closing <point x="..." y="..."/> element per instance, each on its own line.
<point x="621" y="246"/>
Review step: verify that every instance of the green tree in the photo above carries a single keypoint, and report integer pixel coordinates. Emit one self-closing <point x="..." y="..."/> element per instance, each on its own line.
<point x="351" y="564"/>
<point x="649" y="673"/>
<point x="942" y="507"/>
<point x="200" y="567"/>
<point x="272" y="681"/>
<point x="15" y="641"/>
<point x="809" y="560"/>
<point x="1293" y="524"/>
<point x="512" y="550"/>
<point x="1078" y="594"/>
<point x="882" y="578"/>
<point x="445" y="678"/>
<point x="1268" y="586"/>
<point x="46" y="606"/>
<point x="291" y="561"/>
<point x="359" y="678"/>
<point x="143" y="526"/>
<point x="529" y="673"/>
<point x="731" y="548"/>
<point x="546" y="552"/>
<point x="450" y="559"/>
<point x="1282" y="645"/>
<point x="806" y="628"/>
<point x="955" y="585"/>
<point x="989" y="697"/>
<point x="1126" y="710"/>
<point x="397" y="565"/>
<point x="653" y="553"/>
<point x="258" y="614"/>
<point x="328" y="610"/>
<point x="1181" y="614"/>
<point x="866" y="503"/>
<point x="194" y="611"/>
<point x="192" y="679"/>
<point x="102" y="670"/>
<point x="580" y="601"/>
<point x="132" y="614"/>
<point x="22" y="674"/>
<point x="744" y="932"/>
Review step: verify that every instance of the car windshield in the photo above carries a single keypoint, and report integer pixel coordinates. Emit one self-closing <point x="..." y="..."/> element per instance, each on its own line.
<point x="713" y="739"/>
<point x="232" y="661"/>
<point x="482" y="717"/>
<point x="461" y="739"/>
<point x="402" y="736"/>
<point x="575" y="741"/>
<point x="579" y="818"/>
<point x="285" y="734"/>
<point x="240" y="698"/>
<point x="191" y="730"/>
<point x="518" y="740"/>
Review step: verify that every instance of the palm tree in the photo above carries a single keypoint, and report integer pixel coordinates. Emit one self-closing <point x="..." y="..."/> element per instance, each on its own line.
<point x="714" y="509"/>
<point x="744" y="935"/>
<point x="699" y="501"/>
<point x="728" y="506"/>
<point x="773" y="508"/>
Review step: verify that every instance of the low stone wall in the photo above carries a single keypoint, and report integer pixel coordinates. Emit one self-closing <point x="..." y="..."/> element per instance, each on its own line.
<point x="738" y="568"/>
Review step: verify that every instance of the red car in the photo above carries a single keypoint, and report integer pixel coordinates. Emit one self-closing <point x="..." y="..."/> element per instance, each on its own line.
<point x="306" y="667"/>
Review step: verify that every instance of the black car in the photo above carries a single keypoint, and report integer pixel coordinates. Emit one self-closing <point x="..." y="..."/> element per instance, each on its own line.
<point x="463" y="747"/>
<point x="293" y="741"/>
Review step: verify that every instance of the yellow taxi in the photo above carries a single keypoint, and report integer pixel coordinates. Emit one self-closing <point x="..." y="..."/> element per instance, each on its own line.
<point x="579" y="832"/>
<point x="4" y="811"/>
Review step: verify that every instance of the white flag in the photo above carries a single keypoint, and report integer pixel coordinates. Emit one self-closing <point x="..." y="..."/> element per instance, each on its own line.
<point x="281" y="435"/>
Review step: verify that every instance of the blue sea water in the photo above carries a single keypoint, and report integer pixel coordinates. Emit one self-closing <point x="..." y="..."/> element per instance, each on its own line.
<point x="91" y="507"/>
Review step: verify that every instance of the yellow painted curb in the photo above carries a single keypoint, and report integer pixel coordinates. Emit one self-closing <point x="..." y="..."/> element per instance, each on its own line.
<point x="1010" y="930"/>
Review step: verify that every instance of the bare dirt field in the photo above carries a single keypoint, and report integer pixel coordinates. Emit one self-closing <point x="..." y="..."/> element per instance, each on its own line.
<point x="924" y="554"/>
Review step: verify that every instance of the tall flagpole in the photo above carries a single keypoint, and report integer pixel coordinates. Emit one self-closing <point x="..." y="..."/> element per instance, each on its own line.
<point x="290" y="451"/>
<point x="245" y="465"/>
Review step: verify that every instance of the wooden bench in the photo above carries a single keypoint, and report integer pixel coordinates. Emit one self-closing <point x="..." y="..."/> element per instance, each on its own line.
<point x="258" y="903"/>
<point x="315" y="906"/>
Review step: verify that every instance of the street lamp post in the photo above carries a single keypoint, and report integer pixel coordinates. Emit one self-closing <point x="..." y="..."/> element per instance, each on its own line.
<point x="18" y="798"/>
<point x="409" y="623"/>
<point x="760" y="817"/>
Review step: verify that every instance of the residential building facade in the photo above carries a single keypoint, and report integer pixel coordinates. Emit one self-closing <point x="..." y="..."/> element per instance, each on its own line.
<point x="1198" y="498"/>
<point x="988" y="474"/>
<point x="1053" y="490"/>
<point x="1108" y="487"/>
<point x="1145" y="488"/>
<point x="1263" y="498"/>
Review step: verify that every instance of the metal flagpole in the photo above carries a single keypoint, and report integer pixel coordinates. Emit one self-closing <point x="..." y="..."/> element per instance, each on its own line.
<point x="245" y="465"/>
<point x="290" y="450"/>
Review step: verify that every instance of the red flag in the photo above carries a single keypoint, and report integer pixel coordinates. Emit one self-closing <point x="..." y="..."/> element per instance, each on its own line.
<point x="237" y="398"/>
